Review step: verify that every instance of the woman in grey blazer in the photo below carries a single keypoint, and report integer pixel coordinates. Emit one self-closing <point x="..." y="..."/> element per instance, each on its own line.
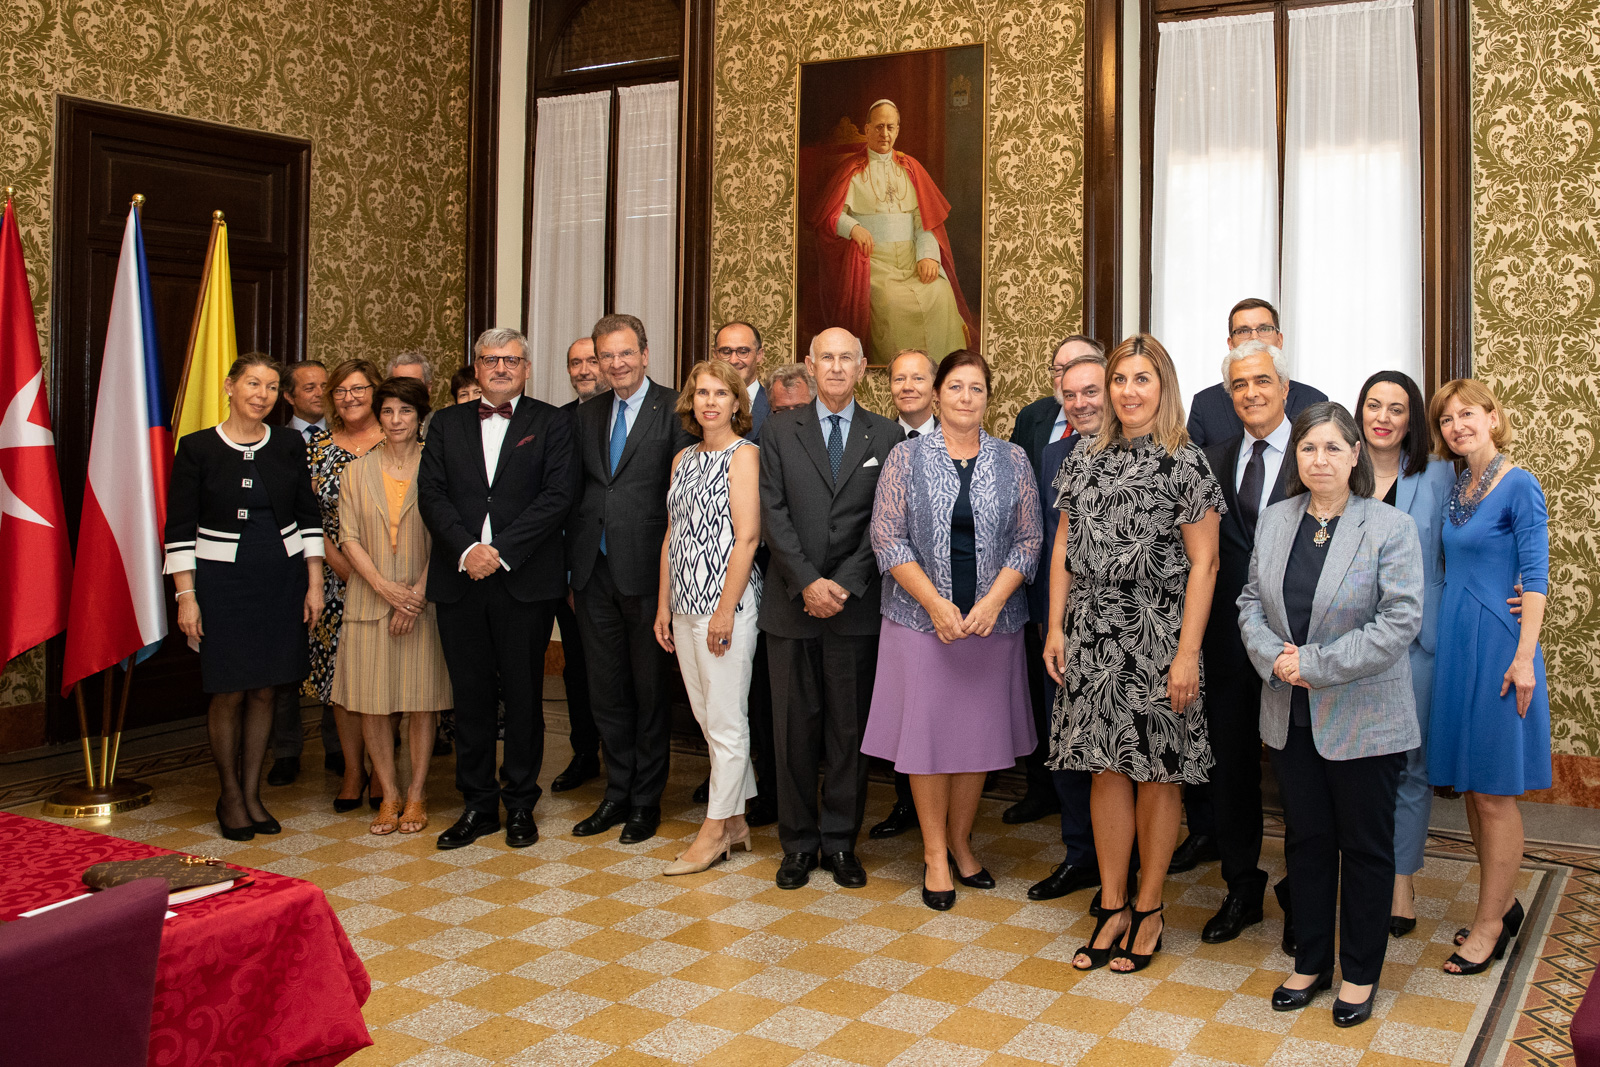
<point x="1333" y="602"/>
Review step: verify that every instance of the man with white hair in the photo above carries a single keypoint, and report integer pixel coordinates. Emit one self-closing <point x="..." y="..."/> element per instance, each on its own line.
<point x="887" y="273"/>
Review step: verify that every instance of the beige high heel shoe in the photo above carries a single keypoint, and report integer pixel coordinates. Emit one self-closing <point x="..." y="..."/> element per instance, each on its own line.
<point x="681" y="866"/>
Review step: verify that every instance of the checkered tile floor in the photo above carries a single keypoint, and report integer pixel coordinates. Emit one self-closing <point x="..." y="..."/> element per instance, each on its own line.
<point x="577" y="952"/>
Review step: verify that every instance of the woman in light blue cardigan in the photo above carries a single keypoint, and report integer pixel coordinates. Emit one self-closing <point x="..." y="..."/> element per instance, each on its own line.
<point x="1394" y="426"/>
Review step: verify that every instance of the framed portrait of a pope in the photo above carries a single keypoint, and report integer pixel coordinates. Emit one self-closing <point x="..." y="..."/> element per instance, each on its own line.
<point x="889" y="188"/>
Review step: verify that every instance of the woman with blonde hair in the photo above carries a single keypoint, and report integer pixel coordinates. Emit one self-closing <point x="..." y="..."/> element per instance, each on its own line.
<point x="1132" y="573"/>
<point x="1489" y="737"/>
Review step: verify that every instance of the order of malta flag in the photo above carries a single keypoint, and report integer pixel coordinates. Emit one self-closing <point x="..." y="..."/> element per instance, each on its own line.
<point x="35" y="562"/>
<point x="117" y="605"/>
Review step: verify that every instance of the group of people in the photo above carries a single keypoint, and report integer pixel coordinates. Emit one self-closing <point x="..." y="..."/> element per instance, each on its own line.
<point x="1128" y="600"/>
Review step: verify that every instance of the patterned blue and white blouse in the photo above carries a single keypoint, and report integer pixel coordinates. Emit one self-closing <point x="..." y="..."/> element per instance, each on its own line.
<point x="911" y="523"/>
<point x="701" y="538"/>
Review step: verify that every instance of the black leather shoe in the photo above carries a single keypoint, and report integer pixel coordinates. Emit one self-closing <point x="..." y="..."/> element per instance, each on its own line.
<point x="795" y="870"/>
<point x="234" y="833"/>
<point x="1195" y="850"/>
<point x="1286" y="999"/>
<point x="333" y="761"/>
<point x="1401" y="925"/>
<point x="982" y="880"/>
<point x="1288" y="943"/>
<point x="847" y="870"/>
<point x="1030" y="809"/>
<point x="269" y="825"/>
<point x="1347" y="1014"/>
<point x="610" y="813"/>
<point x="762" y="811"/>
<point x="441" y="747"/>
<point x="938" y="899"/>
<point x="641" y="825"/>
<point x="1063" y="880"/>
<point x="521" y="830"/>
<point x="580" y="770"/>
<point x="285" y="769"/>
<point x="702" y="792"/>
<point x="902" y="817"/>
<point x="1230" y="919"/>
<point x="471" y="826"/>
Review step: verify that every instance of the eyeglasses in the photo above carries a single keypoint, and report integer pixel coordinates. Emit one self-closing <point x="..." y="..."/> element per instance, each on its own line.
<point x="615" y="357"/>
<point x="508" y="362"/>
<point x="352" y="392"/>
<point x="1264" y="331"/>
<point x="728" y="353"/>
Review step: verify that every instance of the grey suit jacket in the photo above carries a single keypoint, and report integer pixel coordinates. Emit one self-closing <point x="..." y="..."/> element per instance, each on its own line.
<point x="816" y="528"/>
<point x="1366" y="612"/>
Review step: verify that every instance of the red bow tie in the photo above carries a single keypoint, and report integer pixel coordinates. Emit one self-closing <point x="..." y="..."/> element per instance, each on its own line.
<point x="504" y="410"/>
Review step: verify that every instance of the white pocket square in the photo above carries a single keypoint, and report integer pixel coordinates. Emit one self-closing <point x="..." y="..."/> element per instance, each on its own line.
<point x="873" y="462"/>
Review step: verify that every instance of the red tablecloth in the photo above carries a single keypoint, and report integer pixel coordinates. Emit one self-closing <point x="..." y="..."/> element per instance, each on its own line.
<point x="262" y="976"/>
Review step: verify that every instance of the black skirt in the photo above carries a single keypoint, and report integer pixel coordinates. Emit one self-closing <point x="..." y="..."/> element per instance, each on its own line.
<point x="252" y="612"/>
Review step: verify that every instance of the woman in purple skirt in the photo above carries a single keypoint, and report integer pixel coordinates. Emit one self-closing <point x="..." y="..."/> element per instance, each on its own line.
<point x="957" y="530"/>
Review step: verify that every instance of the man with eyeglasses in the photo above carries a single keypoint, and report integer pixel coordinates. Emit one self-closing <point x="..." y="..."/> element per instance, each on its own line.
<point x="739" y="343"/>
<point x="1212" y="419"/>
<point x="1045" y="419"/>
<point x="627" y="438"/>
<point x="494" y="487"/>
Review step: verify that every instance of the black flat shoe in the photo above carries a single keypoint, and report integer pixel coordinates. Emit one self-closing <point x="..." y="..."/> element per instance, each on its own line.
<point x="333" y="761"/>
<point x="1063" y="880"/>
<point x="982" y="880"/>
<point x="268" y="826"/>
<point x="1401" y="925"/>
<point x="641" y="825"/>
<point x="521" y="830"/>
<point x="580" y="770"/>
<point x="762" y="811"/>
<point x="1139" y="960"/>
<point x="1479" y="966"/>
<point x="1286" y="999"/>
<point x="285" y="769"/>
<point x="702" y="792"/>
<point x="467" y="829"/>
<point x="795" y="870"/>
<point x="243" y="833"/>
<point x="902" y="817"/>
<point x="938" y="899"/>
<point x="1195" y="850"/>
<point x="1512" y="920"/>
<point x="846" y="869"/>
<point x="1230" y="920"/>
<point x="1030" y="809"/>
<point x="1347" y="1014"/>
<point x="610" y="813"/>
<point x="341" y="805"/>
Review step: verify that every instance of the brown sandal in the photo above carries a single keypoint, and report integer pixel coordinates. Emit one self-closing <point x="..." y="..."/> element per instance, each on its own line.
<point x="417" y="813"/>
<point x="387" y="819"/>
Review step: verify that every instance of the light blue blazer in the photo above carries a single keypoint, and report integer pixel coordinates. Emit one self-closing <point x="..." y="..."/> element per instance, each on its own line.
<point x="1424" y="496"/>
<point x="1364" y="616"/>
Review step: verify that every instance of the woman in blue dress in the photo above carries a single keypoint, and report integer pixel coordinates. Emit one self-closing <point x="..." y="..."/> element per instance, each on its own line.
<point x="1490" y="734"/>
<point x="1394" y="427"/>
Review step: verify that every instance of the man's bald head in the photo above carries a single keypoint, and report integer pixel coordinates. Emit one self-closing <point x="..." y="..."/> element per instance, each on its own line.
<point x="583" y="368"/>
<point x="836" y="361"/>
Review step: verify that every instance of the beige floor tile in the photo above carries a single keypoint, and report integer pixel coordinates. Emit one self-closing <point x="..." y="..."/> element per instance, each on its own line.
<point x="619" y="1024"/>
<point x="864" y="1043"/>
<point x="1234" y="1044"/>
<point x="497" y="1039"/>
<point x="747" y="1051"/>
<point x="978" y="1029"/>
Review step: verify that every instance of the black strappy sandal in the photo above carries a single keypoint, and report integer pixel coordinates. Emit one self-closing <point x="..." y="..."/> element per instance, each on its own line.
<point x="1099" y="957"/>
<point x="1140" y="962"/>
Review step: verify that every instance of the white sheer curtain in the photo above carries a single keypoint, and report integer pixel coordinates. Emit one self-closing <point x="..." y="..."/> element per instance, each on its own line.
<point x="647" y="218"/>
<point x="1352" y="213"/>
<point x="1214" y="234"/>
<point x="567" y="282"/>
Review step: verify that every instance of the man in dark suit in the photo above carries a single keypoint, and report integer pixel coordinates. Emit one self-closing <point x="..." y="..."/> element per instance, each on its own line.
<point x="739" y="343"/>
<point x="1250" y="469"/>
<point x="1212" y="419"/>
<point x="819" y="473"/>
<point x="494" y="487"/>
<point x="583" y="369"/>
<point x="1080" y="378"/>
<point x="1045" y="419"/>
<point x="627" y="438"/>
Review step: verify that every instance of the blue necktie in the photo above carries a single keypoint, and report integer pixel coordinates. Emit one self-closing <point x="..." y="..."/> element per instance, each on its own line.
<point x="835" y="446"/>
<point x="619" y="439"/>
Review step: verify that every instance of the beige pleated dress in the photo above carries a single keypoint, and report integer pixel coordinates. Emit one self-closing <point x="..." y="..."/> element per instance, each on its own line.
<point x="376" y="673"/>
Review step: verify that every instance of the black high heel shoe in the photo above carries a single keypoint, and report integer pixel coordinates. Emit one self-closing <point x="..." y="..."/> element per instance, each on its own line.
<point x="938" y="900"/>
<point x="1286" y="999"/>
<point x="1099" y="957"/>
<point x="242" y="833"/>
<point x="1348" y="1014"/>
<point x="982" y="880"/>
<point x="1512" y="920"/>
<point x="1507" y="932"/>
<point x="341" y="805"/>
<point x="1140" y="961"/>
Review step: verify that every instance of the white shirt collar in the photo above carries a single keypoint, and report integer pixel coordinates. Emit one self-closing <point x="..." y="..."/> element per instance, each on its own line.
<point x="300" y="426"/>
<point x="754" y="389"/>
<point x="1278" y="439"/>
<point x="845" y="415"/>
<point x="925" y="428"/>
<point x="637" y="398"/>
<point x="880" y="157"/>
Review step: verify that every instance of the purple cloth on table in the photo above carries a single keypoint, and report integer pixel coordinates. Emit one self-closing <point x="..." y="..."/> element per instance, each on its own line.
<point x="77" y="984"/>
<point x="949" y="709"/>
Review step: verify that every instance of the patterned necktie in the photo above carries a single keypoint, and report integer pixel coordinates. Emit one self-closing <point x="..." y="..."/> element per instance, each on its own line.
<point x="502" y="409"/>
<point x="835" y="446"/>
<point x="913" y="433"/>
<point x="1255" y="476"/>
<point x="619" y="435"/>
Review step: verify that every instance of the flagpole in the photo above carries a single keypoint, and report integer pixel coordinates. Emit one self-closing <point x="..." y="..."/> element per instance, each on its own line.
<point x="122" y="716"/>
<point x="217" y="222"/>
<point x="83" y="733"/>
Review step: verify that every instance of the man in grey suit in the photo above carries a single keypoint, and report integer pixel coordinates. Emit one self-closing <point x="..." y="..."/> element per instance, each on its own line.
<point x="1212" y="419"/>
<point x="819" y="474"/>
<point x="627" y="438"/>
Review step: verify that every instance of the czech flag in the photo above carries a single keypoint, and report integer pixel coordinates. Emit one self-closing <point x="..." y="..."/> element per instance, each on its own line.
<point x="118" y="609"/>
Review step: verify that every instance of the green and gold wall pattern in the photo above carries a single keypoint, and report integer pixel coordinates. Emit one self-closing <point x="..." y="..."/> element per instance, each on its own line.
<point x="380" y="88"/>
<point x="1536" y="270"/>
<point x="1033" y="266"/>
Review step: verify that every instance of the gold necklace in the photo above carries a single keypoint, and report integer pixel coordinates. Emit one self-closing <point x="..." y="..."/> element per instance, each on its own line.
<point x="1322" y="536"/>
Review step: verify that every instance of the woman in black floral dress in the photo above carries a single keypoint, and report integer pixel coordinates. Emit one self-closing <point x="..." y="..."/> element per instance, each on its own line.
<point x="1138" y="545"/>
<point x="355" y="431"/>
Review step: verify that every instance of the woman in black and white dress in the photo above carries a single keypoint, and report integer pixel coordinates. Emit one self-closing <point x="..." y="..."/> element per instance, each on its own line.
<point x="244" y="548"/>
<point x="711" y="592"/>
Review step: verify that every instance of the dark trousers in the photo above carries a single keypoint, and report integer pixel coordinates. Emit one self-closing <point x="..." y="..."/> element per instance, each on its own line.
<point x="821" y="693"/>
<point x="585" y="737"/>
<point x="1340" y="850"/>
<point x="1041" y="695"/>
<point x="629" y="678"/>
<point x="1229" y="806"/>
<point x="288" y="735"/>
<point x="494" y="646"/>
<point x="763" y="752"/>
<point x="1077" y="832"/>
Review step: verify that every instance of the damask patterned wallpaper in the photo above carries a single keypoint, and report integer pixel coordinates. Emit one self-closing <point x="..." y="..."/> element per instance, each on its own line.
<point x="1034" y="273"/>
<point x="380" y="87"/>
<point x="1536" y="302"/>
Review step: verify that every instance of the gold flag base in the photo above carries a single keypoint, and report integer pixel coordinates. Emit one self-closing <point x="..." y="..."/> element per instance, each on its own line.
<point x="84" y="802"/>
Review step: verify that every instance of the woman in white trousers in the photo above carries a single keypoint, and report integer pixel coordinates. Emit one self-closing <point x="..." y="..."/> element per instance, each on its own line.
<point x="711" y="592"/>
